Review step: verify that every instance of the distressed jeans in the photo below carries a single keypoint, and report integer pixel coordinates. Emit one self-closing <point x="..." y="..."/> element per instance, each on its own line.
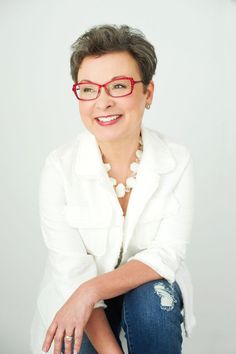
<point x="151" y="317"/>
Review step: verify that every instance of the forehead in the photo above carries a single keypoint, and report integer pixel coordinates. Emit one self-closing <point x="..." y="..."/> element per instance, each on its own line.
<point x="104" y="67"/>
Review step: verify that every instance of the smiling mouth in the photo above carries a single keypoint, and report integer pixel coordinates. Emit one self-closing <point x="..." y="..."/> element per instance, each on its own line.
<point x="108" y="118"/>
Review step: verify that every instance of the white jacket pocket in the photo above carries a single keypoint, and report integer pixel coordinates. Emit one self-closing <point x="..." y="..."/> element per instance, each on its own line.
<point x="149" y="223"/>
<point x="93" y="225"/>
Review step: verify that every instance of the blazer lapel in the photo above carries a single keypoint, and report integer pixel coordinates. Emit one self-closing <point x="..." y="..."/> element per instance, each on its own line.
<point x="89" y="162"/>
<point x="156" y="160"/>
<point x="89" y="166"/>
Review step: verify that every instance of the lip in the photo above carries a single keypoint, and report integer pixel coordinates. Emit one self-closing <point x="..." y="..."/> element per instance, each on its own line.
<point x="112" y="122"/>
<point x="108" y="115"/>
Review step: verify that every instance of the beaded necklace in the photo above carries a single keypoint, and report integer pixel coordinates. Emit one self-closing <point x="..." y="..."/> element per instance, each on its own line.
<point x="120" y="188"/>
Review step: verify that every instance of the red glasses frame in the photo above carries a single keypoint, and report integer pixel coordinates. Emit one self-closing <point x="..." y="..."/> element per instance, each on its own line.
<point x="132" y="82"/>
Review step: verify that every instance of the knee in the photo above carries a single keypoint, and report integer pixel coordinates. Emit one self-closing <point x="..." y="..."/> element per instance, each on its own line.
<point x="152" y="318"/>
<point x="154" y="303"/>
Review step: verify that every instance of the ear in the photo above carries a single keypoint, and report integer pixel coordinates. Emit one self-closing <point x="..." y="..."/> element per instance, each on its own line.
<point x="150" y="92"/>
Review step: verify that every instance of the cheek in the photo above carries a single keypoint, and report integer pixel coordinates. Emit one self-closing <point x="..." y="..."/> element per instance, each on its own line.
<point x="84" y="110"/>
<point x="136" y="105"/>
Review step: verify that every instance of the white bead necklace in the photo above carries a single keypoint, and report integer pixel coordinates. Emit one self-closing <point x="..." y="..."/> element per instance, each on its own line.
<point x="120" y="188"/>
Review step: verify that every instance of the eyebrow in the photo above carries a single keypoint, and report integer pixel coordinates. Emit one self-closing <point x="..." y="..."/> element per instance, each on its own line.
<point x="114" y="77"/>
<point x="117" y="77"/>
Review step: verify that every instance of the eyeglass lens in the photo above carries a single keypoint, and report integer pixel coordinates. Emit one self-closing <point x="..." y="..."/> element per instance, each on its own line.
<point x="115" y="88"/>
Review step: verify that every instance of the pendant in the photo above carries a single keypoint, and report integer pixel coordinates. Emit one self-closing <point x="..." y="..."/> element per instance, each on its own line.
<point x="130" y="182"/>
<point x="120" y="190"/>
<point x="134" y="167"/>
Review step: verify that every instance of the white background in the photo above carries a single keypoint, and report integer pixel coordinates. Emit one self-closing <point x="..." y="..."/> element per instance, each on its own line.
<point x="195" y="89"/>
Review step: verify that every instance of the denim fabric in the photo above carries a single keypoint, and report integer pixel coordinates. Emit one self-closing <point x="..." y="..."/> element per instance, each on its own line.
<point x="151" y="317"/>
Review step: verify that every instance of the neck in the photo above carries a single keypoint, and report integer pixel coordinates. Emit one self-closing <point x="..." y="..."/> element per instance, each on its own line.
<point x="120" y="153"/>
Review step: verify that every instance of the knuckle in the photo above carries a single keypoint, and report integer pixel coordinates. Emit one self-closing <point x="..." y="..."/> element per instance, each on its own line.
<point x="58" y="339"/>
<point x="47" y="339"/>
<point x="56" y="350"/>
<point x="78" y="337"/>
<point x="50" y="332"/>
<point x="77" y="343"/>
<point x="67" y="344"/>
<point x="77" y="348"/>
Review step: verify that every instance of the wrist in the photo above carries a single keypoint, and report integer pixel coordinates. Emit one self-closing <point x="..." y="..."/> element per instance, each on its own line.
<point x="90" y="291"/>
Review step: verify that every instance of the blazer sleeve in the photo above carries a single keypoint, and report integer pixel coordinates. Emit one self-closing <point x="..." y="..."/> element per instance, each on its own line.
<point x="168" y="249"/>
<point x="69" y="262"/>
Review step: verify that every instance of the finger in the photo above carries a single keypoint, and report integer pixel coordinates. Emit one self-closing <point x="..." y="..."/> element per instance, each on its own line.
<point x="58" y="340"/>
<point x="78" y="336"/>
<point x="49" y="337"/>
<point x="68" y="340"/>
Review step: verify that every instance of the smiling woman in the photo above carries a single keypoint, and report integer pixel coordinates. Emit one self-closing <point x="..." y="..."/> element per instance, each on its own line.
<point x="116" y="207"/>
<point x="112" y="80"/>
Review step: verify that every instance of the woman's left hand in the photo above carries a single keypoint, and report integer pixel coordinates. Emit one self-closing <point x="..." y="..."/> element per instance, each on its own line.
<point x="70" y="321"/>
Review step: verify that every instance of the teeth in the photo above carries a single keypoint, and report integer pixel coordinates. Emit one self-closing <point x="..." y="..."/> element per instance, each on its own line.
<point x="108" y="119"/>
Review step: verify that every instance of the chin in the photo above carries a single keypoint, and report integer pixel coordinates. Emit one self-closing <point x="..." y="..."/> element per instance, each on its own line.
<point x="108" y="136"/>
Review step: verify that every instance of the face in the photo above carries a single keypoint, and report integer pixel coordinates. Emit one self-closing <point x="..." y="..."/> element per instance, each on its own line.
<point x="128" y="110"/>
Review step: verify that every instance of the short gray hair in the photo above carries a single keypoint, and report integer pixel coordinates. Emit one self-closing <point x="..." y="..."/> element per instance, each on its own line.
<point x="104" y="39"/>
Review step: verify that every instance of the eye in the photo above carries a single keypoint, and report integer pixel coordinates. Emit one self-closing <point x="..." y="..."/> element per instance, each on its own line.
<point x="118" y="86"/>
<point x="88" y="89"/>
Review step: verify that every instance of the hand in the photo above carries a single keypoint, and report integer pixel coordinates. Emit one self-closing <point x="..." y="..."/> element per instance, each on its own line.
<point x="70" y="320"/>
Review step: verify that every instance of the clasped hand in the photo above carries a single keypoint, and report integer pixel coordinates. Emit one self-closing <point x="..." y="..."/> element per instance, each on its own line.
<point x="70" y="321"/>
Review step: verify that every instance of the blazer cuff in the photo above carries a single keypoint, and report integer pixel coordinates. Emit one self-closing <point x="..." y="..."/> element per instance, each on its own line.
<point x="100" y="303"/>
<point x="153" y="261"/>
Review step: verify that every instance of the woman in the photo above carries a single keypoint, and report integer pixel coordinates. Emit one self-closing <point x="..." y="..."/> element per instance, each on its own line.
<point x="116" y="209"/>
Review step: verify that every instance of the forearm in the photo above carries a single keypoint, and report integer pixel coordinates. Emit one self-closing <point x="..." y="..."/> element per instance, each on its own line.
<point x="100" y="333"/>
<point x="121" y="280"/>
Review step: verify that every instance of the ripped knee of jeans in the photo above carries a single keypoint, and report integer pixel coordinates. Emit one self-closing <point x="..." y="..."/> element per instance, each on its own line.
<point x="166" y="293"/>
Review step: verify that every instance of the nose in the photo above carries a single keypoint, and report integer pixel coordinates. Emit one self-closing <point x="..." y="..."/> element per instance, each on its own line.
<point x="104" y="100"/>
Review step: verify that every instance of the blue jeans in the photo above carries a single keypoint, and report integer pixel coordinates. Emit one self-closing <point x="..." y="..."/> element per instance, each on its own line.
<point x="150" y="316"/>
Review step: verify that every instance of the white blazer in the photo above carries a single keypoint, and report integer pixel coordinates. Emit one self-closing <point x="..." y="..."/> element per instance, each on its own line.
<point x="84" y="227"/>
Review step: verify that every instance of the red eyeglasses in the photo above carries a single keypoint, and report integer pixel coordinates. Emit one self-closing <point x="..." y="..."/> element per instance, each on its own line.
<point x="120" y="87"/>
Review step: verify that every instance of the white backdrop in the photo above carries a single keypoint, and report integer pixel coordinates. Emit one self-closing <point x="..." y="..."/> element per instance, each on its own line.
<point x="195" y="89"/>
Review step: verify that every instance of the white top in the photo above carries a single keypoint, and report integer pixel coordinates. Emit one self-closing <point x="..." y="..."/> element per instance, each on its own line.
<point x="84" y="228"/>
